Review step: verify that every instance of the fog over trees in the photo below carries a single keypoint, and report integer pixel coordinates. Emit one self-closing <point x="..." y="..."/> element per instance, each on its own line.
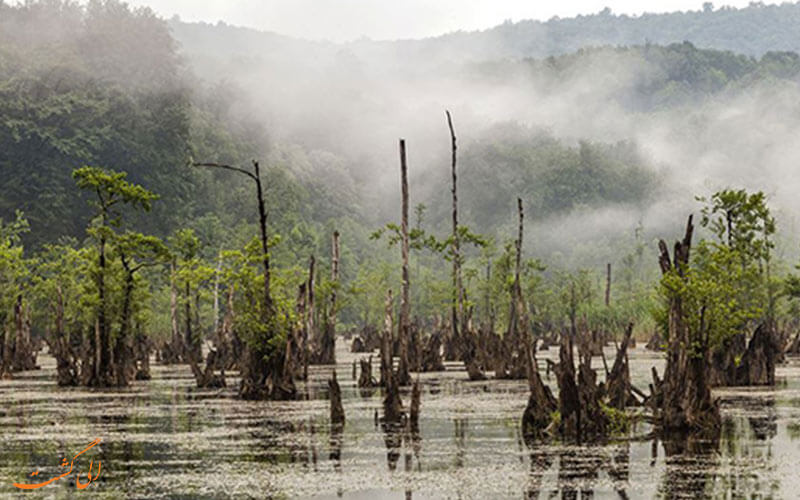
<point x="250" y="205"/>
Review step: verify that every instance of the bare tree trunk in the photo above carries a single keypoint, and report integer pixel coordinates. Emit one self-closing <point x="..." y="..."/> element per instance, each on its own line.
<point x="335" y="393"/>
<point x="66" y="361"/>
<point x="326" y="354"/>
<point x="229" y="337"/>
<point x="608" y="284"/>
<point x="142" y="355"/>
<point x="489" y="320"/>
<point x="124" y="364"/>
<point x="261" y="379"/>
<point x="386" y="341"/>
<point x="101" y="352"/>
<point x="569" y="401"/>
<point x="392" y="411"/>
<point x="515" y="364"/>
<point x="19" y="338"/>
<point x="262" y="224"/>
<point x="541" y="403"/>
<point x="457" y="311"/>
<point x="403" y="377"/>
<point x="7" y="348"/>
<point x="365" y="378"/>
<point x="188" y="341"/>
<point x="216" y="291"/>
<point x="618" y="385"/>
<point x="174" y="349"/>
<point x="310" y="325"/>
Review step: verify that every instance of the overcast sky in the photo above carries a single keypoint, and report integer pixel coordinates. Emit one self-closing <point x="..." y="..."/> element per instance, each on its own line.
<point x="342" y="20"/>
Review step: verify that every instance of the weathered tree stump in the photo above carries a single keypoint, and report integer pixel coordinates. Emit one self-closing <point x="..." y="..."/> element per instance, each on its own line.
<point x="593" y="422"/>
<point x="367" y="340"/>
<point x="656" y="342"/>
<point x="335" y="395"/>
<point x="365" y="379"/>
<point x="206" y="378"/>
<point x="432" y="360"/>
<point x="685" y="400"/>
<point x="757" y="366"/>
<point x="537" y="416"/>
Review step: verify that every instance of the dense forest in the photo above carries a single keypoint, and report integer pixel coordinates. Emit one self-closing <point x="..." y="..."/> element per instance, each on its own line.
<point x="148" y="208"/>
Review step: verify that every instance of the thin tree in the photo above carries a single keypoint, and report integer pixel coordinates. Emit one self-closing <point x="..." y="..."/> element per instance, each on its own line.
<point x="255" y="175"/>
<point x="261" y="378"/>
<point x="403" y="377"/>
<point x="458" y="293"/>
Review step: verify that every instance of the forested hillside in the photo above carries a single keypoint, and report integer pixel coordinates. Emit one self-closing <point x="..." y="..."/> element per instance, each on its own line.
<point x="107" y="87"/>
<point x="751" y="31"/>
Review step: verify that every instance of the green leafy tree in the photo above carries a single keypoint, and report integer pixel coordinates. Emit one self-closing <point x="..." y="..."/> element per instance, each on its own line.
<point x="111" y="190"/>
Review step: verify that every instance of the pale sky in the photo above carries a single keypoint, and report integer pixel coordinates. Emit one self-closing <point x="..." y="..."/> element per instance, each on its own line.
<point x="342" y="20"/>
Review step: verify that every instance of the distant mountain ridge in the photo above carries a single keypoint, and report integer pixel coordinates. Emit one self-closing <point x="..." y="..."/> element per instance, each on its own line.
<point x="753" y="31"/>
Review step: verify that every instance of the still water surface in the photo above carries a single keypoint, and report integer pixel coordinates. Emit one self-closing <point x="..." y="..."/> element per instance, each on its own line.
<point x="164" y="438"/>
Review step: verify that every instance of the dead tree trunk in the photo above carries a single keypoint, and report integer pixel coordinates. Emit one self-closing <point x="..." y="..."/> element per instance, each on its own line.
<point x="102" y="348"/>
<point x="365" y="378"/>
<point x="457" y="311"/>
<point x="173" y="350"/>
<point x="594" y="422"/>
<point x="16" y="364"/>
<point x="391" y="400"/>
<point x="686" y="402"/>
<point x="757" y="366"/>
<point x="226" y="338"/>
<point x="541" y="403"/>
<point x="24" y="358"/>
<point x="514" y="364"/>
<point x="569" y="399"/>
<point x="216" y="291"/>
<point x="7" y="348"/>
<point x="310" y="325"/>
<point x="142" y="350"/>
<point x="386" y="341"/>
<point x="124" y="367"/>
<point x="432" y="353"/>
<point x="335" y="393"/>
<point x="67" y="370"/>
<point x="205" y="377"/>
<point x="327" y="345"/>
<point x="301" y="332"/>
<point x="618" y="383"/>
<point x="403" y="377"/>
<point x="263" y="373"/>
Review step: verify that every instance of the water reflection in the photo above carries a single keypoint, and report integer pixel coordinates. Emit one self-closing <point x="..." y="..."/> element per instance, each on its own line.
<point x="578" y="469"/>
<point x="691" y="463"/>
<point x="619" y="469"/>
<point x="460" y="428"/>
<point x="540" y="462"/>
<point x="393" y="438"/>
<point x="165" y="438"/>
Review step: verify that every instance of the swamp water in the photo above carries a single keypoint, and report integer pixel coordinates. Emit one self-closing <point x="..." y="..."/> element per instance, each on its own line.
<point x="164" y="438"/>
